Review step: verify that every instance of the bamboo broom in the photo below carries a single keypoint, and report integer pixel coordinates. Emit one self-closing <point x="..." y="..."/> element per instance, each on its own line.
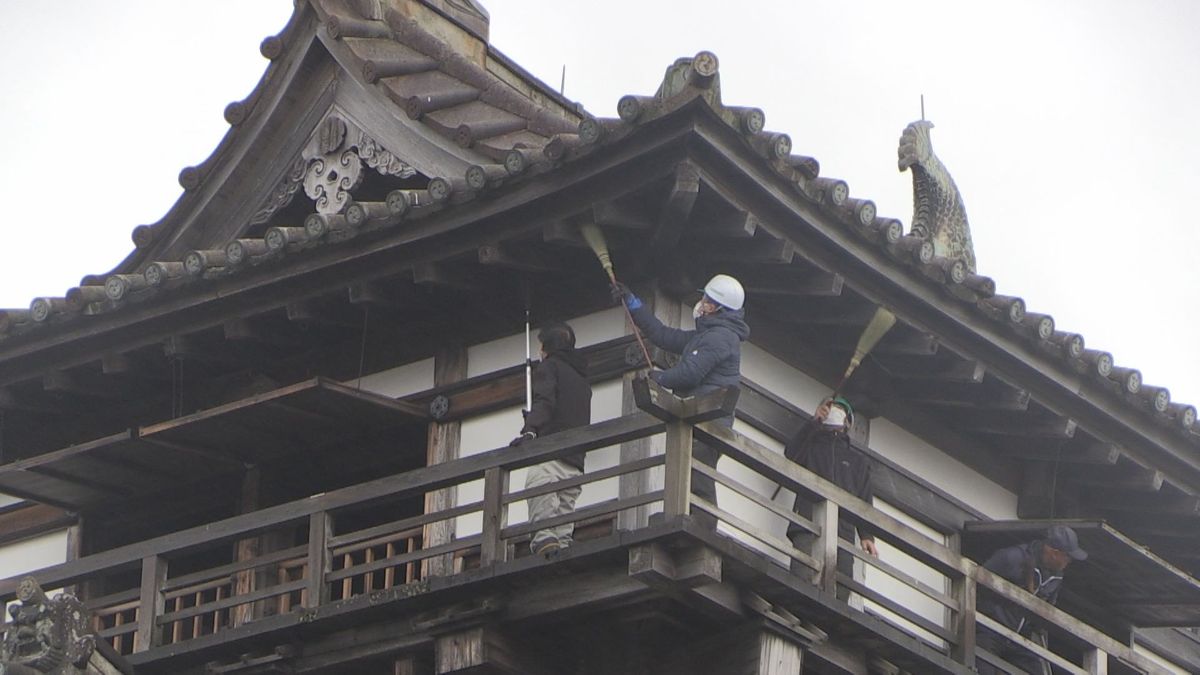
<point x="595" y="240"/>
<point x="881" y="322"/>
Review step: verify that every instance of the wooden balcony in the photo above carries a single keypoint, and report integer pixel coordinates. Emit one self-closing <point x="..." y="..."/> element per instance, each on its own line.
<point x="338" y="563"/>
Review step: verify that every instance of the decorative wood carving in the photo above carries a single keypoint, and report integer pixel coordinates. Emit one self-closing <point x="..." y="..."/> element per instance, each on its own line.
<point x="283" y="193"/>
<point x="330" y="178"/>
<point x="46" y="635"/>
<point x="380" y="159"/>
<point x="330" y="167"/>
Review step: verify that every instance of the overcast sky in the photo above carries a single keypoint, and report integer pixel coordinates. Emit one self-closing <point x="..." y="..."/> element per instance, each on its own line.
<point x="1069" y="126"/>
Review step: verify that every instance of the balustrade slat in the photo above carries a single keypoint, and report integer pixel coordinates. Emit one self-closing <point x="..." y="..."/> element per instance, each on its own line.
<point x="601" y="509"/>
<point x="677" y="476"/>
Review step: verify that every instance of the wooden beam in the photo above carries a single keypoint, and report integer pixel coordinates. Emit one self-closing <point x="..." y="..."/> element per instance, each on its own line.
<point x="836" y="311"/>
<point x="942" y="367"/>
<point x="313" y="312"/>
<point x="1004" y="423"/>
<point x="62" y="382"/>
<point x="1088" y="452"/>
<point x="1126" y="476"/>
<point x="523" y="258"/>
<point x="989" y="394"/>
<point x="245" y="330"/>
<point x="900" y="341"/>
<point x="398" y="296"/>
<point x="677" y="209"/>
<point x="621" y="215"/>
<point x="564" y="233"/>
<point x="760" y="250"/>
<point x="13" y="399"/>
<point x="1122" y="501"/>
<point x="439" y="275"/>
<point x="724" y="225"/>
<point x="815" y="283"/>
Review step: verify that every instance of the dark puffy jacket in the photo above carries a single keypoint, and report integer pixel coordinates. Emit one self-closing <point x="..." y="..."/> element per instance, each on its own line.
<point x="1016" y="564"/>
<point x="828" y="453"/>
<point x="711" y="354"/>
<point x="562" y="397"/>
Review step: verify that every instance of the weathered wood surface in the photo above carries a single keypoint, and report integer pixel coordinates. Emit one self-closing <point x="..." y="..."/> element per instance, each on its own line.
<point x="282" y="422"/>
<point x="449" y="367"/>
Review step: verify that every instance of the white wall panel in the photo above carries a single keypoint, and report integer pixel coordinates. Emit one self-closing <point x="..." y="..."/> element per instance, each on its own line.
<point x="938" y="468"/>
<point x="399" y="381"/>
<point x="33" y="553"/>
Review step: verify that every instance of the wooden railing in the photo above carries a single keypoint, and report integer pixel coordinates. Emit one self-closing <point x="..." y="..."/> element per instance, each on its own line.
<point x="174" y="592"/>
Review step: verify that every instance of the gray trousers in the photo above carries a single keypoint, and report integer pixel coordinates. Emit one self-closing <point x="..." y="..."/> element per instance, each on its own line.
<point x="552" y="504"/>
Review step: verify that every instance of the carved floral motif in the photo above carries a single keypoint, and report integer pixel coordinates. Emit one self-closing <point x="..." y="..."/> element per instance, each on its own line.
<point x="378" y="158"/>
<point x="330" y="167"/>
<point x="330" y="179"/>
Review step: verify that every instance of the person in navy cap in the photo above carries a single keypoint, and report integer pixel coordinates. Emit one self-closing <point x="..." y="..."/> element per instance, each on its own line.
<point x="1038" y="567"/>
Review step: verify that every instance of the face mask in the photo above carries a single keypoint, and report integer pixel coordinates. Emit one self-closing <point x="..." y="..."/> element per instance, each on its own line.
<point x="836" y="417"/>
<point x="698" y="310"/>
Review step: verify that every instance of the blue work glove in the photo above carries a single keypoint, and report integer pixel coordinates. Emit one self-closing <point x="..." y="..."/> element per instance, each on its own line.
<point x="657" y="376"/>
<point x="621" y="293"/>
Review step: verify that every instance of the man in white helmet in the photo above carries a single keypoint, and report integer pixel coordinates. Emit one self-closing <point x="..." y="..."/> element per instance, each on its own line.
<point x="711" y="355"/>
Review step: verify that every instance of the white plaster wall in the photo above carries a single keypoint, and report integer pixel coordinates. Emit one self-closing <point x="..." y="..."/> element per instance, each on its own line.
<point x="496" y="429"/>
<point x="401" y="380"/>
<point x="938" y="468"/>
<point x="33" y="553"/>
<point x="781" y="379"/>
<point x="899" y="591"/>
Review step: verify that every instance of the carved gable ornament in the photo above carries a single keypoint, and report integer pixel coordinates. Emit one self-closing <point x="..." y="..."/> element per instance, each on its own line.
<point x="331" y="166"/>
<point x="938" y="211"/>
<point x="46" y="635"/>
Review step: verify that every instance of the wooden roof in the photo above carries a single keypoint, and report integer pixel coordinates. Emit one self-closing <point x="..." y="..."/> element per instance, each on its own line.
<point x="474" y="178"/>
<point x="1120" y="582"/>
<point x="294" y="422"/>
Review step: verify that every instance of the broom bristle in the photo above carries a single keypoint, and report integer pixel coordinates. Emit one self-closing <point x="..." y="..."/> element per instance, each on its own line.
<point x="880" y="324"/>
<point x="595" y="240"/>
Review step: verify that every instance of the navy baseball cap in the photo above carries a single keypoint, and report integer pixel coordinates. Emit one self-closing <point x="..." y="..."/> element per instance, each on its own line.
<point x="1064" y="539"/>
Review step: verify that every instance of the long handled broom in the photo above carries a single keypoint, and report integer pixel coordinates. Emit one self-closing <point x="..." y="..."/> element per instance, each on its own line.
<point x="595" y="240"/>
<point x="881" y="322"/>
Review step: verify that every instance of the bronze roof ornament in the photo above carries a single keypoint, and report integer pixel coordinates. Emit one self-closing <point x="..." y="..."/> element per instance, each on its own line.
<point x="938" y="211"/>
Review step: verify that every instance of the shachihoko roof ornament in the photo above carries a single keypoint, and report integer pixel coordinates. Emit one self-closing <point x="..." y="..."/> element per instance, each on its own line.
<point x="938" y="211"/>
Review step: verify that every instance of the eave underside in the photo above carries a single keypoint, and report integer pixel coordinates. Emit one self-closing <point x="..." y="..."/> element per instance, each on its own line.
<point x="679" y="198"/>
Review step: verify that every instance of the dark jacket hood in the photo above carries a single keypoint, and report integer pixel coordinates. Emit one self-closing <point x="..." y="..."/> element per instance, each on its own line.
<point x="573" y="358"/>
<point x="734" y="320"/>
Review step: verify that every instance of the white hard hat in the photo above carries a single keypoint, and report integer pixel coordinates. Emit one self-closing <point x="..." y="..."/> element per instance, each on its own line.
<point x="725" y="291"/>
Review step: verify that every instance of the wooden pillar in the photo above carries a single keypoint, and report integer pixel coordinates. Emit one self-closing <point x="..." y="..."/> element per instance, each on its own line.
<point x="246" y="549"/>
<point x="320" y="530"/>
<point x="963" y="590"/>
<point x="825" y="514"/>
<point x="492" y="548"/>
<point x="405" y="665"/>
<point x="483" y="649"/>
<point x="752" y="648"/>
<point x="154" y="575"/>
<point x="449" y="366"/>
<point x="632" y="485"/>
<point x="778" y="656"/>
<point x="1095" y="661"/>
<point x="677" y="479"/>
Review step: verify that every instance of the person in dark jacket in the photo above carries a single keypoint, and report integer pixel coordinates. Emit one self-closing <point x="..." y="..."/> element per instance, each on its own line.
<point x="1038" y="567"/>
<point x="711" y="357"/>
<point x="562" y="399"/>
<point x="822" y="445"/>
